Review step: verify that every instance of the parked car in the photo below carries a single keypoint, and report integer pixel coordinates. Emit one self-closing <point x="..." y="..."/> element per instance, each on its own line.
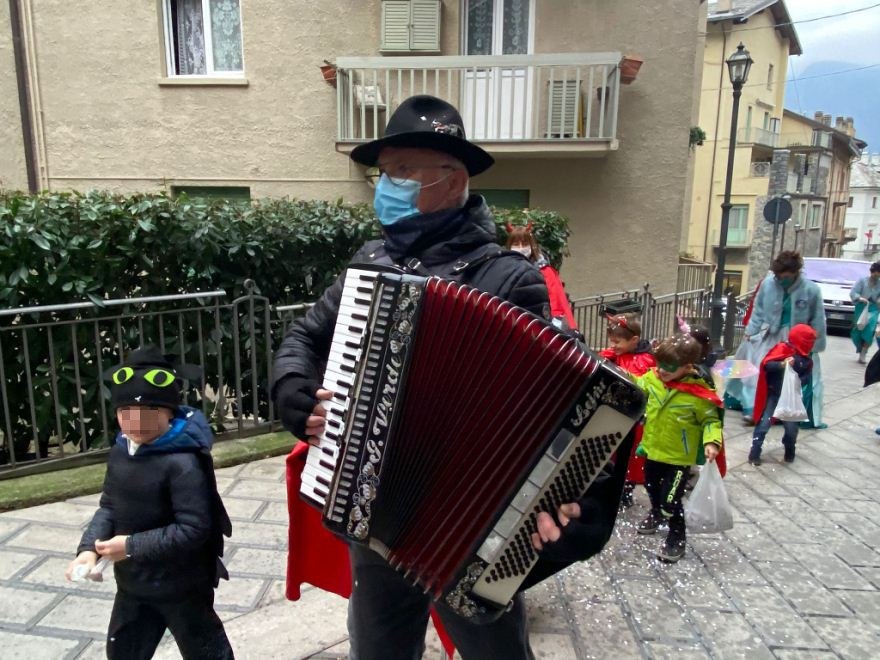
<point x="835" y="278"/>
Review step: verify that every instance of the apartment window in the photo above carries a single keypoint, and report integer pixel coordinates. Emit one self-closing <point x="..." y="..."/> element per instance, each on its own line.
<point x="732" y="281"/>
<point x="849" y="202"/>
<point x="769" y="76"/>
<point x="210" y="193"/>
<point x="816" y="216"/>
<point x="505" y="199"/>
<point x="203" y="38"/>
<point x="874" y="203"/>
<point x="738" y="225"/>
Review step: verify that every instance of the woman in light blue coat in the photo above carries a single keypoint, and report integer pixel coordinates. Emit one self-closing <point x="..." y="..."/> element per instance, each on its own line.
<point x="866" y="294"/>
<point x="784" y="299"/>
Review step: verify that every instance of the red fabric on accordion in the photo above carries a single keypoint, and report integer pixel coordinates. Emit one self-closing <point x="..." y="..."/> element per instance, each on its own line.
<point x="314" y="555"/>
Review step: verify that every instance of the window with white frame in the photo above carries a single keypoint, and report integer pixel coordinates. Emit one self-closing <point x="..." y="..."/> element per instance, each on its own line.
<point x="815" y="216"/>
<point x="738" y="225"/>
<point x="203" y="38"/>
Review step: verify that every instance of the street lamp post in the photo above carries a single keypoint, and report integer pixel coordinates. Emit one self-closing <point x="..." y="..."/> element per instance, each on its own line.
<point x="738" y="66"/>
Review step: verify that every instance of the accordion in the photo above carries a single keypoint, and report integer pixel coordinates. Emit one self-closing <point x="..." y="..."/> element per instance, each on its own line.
<point x="456" y="418"/>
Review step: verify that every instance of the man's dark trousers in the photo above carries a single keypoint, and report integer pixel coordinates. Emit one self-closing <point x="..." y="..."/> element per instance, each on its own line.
<point x="388" y="617"/>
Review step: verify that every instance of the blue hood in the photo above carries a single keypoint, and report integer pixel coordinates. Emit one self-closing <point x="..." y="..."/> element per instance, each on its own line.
<point x="189" y="431"/>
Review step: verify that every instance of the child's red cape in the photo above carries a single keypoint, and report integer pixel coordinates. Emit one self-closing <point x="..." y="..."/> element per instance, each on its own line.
<point x="314" y="554"/>
<point x="636" y="364"/>
<point x="705" y="393"/>
<point x="801" y="338"/>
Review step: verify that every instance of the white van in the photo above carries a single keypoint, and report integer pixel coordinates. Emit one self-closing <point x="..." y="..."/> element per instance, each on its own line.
<point x="836" y="278"/>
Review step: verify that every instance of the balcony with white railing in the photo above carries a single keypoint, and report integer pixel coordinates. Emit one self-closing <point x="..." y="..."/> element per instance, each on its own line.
<point x="736" y="237"/>
<point x="757" y="136"/>
<point x="800" y="185"/>
<point x="516" y="105"/>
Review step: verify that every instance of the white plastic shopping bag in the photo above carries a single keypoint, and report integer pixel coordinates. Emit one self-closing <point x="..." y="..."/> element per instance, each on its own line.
<point x="707" y="510"/>
<point x="863" y="318"/>
<point x="791" y="404"/>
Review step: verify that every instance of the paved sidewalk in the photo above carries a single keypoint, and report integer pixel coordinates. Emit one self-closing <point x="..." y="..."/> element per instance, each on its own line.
<point x="797" y="577"/>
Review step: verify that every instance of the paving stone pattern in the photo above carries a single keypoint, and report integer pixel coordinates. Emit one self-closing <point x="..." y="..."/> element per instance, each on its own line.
<point x="797" y="577"/>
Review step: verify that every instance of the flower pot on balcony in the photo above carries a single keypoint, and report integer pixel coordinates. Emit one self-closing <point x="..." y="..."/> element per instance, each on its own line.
<point x="328" y="70"/>
<point x="629" y="68"/>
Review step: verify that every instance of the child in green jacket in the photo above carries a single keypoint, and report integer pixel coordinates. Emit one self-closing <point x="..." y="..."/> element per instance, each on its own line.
<point x="682" y="428"/>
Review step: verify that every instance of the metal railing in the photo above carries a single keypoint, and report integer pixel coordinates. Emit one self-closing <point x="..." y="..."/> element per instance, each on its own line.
<point x="694" y="276"/>
<point x="736" y="237"/>
<point x="55" y="408"/>
<point x="658" y="313"/>
<point x="570" y="97"/>
<point x="55" y="403"/>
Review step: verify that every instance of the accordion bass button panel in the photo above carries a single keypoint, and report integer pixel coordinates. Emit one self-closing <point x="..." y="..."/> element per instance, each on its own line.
<point x="568" y="466"/>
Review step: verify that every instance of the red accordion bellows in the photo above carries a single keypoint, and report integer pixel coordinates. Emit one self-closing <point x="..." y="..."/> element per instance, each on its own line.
<point x="485" y="389"/>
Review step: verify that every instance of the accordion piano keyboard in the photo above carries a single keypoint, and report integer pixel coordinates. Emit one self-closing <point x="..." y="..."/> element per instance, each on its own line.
<point x="343" y="361"/>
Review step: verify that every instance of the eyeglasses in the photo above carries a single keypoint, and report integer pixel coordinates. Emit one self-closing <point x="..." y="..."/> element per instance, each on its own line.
<point x="398" y="175"/>
<point x="669" y="367"/>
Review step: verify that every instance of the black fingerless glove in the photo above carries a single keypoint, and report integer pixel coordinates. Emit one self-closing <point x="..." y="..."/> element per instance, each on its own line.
<point x="581" y="538"/>
<point x="295" y="399"/>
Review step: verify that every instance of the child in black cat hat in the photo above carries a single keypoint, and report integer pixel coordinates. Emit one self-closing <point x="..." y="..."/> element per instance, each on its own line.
<point x="160" y="519"/>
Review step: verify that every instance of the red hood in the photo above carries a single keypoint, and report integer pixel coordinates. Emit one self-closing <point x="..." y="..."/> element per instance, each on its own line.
<point x="802" y="337"/>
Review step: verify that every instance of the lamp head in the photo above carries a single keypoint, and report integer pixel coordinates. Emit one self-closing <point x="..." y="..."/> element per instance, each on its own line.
<point x="738" y="66"/>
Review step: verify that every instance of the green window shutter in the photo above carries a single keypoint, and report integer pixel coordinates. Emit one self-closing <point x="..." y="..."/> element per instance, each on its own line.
<point x="395" y="25"/>
<point x="425" y="25"/>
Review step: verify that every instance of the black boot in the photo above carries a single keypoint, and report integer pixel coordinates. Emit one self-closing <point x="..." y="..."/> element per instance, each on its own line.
<point x="651" y="523"/>
<point x="672" y="549"/>
<point x="626" y="498"/>
<point x="789" y="453"/>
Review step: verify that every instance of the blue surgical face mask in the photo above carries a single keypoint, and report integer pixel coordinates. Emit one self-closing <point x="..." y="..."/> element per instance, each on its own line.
<point x="395" y="201"/>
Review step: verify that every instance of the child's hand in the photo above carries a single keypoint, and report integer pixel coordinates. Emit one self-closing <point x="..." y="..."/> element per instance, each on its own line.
<point x="788" y="360"/>
<point x="113" y="549"/>
<point x="711" y="451"/>
<point x="85" y="558"/>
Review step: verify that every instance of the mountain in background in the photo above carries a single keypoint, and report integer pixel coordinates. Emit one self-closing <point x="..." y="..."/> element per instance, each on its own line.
<point x="855" y="94"/>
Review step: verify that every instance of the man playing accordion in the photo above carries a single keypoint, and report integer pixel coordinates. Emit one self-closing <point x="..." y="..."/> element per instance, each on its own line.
<point x="432" y="226"/>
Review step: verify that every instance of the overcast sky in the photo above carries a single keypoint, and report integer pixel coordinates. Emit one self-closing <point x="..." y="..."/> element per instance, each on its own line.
<point x="854" y="38"/>
<point x="836" y="44"/>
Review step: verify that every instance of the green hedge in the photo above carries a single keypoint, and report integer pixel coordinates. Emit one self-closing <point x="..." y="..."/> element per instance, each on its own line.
<point x="63" y="247"/>
<point x="68" y="247"/>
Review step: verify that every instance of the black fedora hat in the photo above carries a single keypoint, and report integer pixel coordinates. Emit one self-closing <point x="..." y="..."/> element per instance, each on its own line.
<point x="426" y="122"/>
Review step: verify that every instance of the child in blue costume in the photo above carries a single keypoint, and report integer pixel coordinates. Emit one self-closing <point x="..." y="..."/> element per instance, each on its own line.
<point x="161" y="520"/>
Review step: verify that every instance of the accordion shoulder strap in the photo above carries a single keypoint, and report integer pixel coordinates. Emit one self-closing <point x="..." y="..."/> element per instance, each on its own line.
<point x="458" y="269"/>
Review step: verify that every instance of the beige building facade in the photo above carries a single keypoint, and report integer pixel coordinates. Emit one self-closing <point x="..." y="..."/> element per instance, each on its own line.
<point x="812" y="168"/>
<point x="730" y="22"/>
<point x="123" y="99"/>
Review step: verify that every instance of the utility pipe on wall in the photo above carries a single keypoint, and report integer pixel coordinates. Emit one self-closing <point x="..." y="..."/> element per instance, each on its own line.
<point x="24" y="97"/>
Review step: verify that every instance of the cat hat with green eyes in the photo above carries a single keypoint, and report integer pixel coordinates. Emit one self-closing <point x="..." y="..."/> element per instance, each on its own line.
<point x="149" y="378"/>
